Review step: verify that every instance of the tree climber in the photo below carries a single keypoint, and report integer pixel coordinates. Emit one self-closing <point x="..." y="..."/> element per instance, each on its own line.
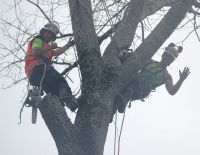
<point x="151" y="76"/>
<point x="38" y="67"/>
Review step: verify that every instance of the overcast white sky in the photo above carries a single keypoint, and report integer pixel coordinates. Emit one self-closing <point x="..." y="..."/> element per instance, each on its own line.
<point x="163" y="125"/>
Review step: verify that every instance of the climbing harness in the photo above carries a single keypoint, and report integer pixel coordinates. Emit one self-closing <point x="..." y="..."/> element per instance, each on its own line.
<point x="120" y="133"/>
<point x="148" y="79"/>
<point x="153" y="74"/>
<point x="115" y="138"/>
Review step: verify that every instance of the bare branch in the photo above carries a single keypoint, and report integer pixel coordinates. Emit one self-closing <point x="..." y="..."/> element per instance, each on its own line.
<point x="86" y="41"/>
<point x="69" y="68"/>
<point x="194" y="12"/>
<point x="40" y="10"/>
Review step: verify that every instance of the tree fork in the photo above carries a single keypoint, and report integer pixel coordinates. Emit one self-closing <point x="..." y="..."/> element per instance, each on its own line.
<point x="60" y="126"/>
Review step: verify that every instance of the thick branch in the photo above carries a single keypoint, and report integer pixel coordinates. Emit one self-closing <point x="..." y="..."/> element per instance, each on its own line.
<point x="60" y="126"/>
<point x="93" y="120"/>
<point x="122" y="37"/>
<point x="125" y="32"/>
<point x="86" y="42"/>
<point x="126" y="29"/>
<point x="40" y="10"/>
<point x="107" y="33"/>
<point x="152" y="6"/>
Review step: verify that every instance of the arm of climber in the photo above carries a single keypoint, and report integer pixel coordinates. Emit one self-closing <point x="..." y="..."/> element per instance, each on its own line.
<point x="38" y="49"/>
<point x="173" y="88"/>
<point x="61" y="50"/>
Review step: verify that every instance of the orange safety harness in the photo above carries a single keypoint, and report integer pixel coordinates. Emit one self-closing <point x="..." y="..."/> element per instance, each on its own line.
<point x="32" y="60"/>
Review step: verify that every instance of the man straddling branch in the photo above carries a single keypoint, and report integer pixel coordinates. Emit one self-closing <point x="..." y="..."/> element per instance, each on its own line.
<point x="38" y="67"/>
<point x="151" y="76"/>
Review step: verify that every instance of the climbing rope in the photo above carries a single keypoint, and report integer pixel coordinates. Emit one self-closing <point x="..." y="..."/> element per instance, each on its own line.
<point x="120" y="133"/>
<point x="115" y="138"/>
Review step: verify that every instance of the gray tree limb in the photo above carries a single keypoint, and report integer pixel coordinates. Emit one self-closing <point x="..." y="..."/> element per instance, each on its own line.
<point x="60" y="126"/>
<point x="88" y="120"/>
<point x="124" y="33"/>
<point x="86" y="43"/>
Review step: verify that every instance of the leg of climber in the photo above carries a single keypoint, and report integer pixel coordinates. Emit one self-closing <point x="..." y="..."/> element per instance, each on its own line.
<point x="53" y="83"/>
<point x="126" y="95"/>
<point x="36" y="75"/>
<point x="137" y="90"/>
<point x="62" y="90"/>
<point x="66" y="96"/>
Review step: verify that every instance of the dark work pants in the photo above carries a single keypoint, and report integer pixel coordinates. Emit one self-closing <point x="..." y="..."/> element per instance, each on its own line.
<point x="53" y="81"/>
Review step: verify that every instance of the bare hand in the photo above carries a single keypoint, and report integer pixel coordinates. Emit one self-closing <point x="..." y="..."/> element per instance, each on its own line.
<point x="183" y="75"/>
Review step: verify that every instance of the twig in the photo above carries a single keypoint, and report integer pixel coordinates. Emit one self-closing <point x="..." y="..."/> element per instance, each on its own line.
<point x="40" y="10"/>
<point x="69" y="68"/>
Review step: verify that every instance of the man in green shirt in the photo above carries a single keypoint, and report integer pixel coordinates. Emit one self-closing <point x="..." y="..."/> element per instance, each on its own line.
<point x="151" y="76"/>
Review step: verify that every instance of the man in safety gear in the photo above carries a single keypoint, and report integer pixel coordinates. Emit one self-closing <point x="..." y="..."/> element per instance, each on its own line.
<point x="38" y="67"/>
<point x="151" y="76"/>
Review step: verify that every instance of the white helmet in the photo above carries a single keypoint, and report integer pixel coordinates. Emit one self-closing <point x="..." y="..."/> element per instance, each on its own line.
<point x="173" y="50"/>
<point x="53" y="27"/>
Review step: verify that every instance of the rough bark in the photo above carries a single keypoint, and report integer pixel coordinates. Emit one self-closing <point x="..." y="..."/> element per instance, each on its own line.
<point x="135" y="13"/>
<point x="60" y="126"/>
<point x="124" y="34"/>
<point x="152" y="6"/>
<point x="86" y="42"/>
<point x="88" y="118"/>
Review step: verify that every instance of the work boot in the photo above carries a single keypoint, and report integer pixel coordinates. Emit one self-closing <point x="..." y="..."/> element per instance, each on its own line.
<point x="74" y="104"/>
<point x="68" y="99"/>
<point x="71" y="103"/>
